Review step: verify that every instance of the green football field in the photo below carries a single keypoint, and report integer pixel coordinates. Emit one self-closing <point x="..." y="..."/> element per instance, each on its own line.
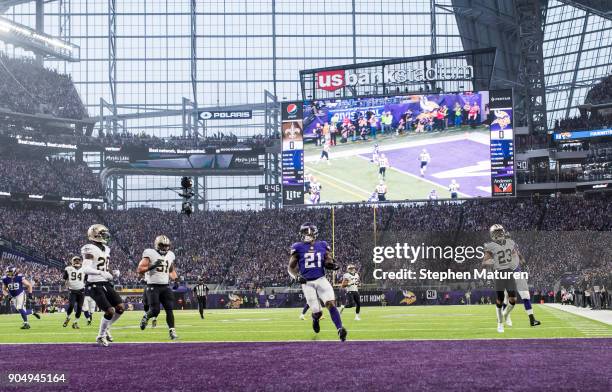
<point x="351" y="177"/>
<point x="378" y="323"/>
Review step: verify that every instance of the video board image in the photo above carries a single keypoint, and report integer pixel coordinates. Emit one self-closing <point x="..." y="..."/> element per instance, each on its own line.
<point x="412" y="147"/>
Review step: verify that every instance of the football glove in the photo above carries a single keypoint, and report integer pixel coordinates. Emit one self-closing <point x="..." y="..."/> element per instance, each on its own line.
<point x="175" y="286"/>
<point x="155" y="264"/>
<point x="299" y="279"/>
<point x="332" y="266"/>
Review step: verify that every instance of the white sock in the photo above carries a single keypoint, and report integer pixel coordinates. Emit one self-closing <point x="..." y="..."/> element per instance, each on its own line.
<point x="499" y="315"/>
<point x="508" y="309"/>
<point x="529" y="312"/>
<point x="104" y="324"/>
<point x="115" y="318"/>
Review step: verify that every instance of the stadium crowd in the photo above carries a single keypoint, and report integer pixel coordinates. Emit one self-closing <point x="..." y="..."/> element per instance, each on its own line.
<point x="27" y="87"/>
<point x="47" y="176"/>
<point x="600" y="93"/>
<point x="582" y="122"/>
<point x="250" y="249"/>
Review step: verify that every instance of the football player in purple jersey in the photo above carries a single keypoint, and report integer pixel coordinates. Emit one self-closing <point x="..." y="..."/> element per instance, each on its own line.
<point x="307" y="264"/>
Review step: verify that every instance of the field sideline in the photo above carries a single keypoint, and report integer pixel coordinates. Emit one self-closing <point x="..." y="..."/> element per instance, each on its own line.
<point x="282" y="325"/>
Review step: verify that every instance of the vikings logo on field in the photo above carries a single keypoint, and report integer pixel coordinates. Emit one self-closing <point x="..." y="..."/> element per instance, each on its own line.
<point x="502" y="119"/>
<point x="409" y="298"/>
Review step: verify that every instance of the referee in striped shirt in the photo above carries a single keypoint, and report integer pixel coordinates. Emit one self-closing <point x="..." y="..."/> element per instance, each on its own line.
<point x="201" y="291"/>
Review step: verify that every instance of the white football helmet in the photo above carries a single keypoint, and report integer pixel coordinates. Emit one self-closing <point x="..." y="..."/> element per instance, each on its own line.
<point x="76" y="262"/>
<point x="162" y="244"/>
<point x="98" y="233"/>
<point x="497" y="233"/>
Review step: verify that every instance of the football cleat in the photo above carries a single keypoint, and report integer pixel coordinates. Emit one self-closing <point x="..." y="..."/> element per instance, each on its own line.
<point x="102" y="342"/>
<point x="25" y="326"/>
<point x="302" y="317"/>
<point x="66" y="322"/>
<point x="154" y="323"/>
<point x="342" y="333"/>
<point x="357" y="318"/>
<point x="109" y="337"/>
<point x="75" y="325"/>
<point x="37" y="315"/>
<point x="172" y="333"/>
<point x="508" y="321"/>
<point x="143" y="322"/>
<point x="315" y="325"/>
<point x="534" y="323"/>
<point x="89" y="320"/>
<point x="500" y="327"/>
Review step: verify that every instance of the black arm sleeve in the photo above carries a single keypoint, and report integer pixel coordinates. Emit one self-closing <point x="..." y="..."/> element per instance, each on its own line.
<point x="65" y="275"/>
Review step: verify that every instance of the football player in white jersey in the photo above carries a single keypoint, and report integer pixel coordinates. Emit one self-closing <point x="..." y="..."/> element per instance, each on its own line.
<point x="424" y="158"/>
<point x="383" y="164"/>
<point x="453" y="188"/>
<point x="315" y="191"/>
<point x="351" y="282"/>
<point x="95" y="256"/>
<point x="503" y="255"/>
<point x="75" y="282"/>
<point x="158" y="266"/>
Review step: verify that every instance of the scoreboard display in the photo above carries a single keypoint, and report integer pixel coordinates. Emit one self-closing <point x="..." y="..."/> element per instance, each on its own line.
<point x="432" y="146"/>
<point x="502" y="144"/>
<point x="292" y="128"/>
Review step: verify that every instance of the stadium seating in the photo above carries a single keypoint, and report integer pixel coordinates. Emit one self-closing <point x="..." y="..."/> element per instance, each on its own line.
<point x="601" y="93"/>
<point x="26" y="87"/>
<point x="251" y="249"/>
<point x="47" y="176"/>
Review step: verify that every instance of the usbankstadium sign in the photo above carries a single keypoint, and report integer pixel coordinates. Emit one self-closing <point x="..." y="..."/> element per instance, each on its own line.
<point x="468" y="70"/>
<point x="336" y="79"/>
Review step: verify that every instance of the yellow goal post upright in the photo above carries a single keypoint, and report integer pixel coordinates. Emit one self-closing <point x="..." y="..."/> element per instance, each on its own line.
<point x="333" y="244"/>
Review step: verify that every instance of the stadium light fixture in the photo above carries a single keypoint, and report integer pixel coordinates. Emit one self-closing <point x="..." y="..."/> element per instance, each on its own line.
<point x="29" y="39"/>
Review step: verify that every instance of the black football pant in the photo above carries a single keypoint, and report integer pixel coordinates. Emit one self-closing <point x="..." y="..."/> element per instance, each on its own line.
<point x="145" y="300"/>
<point x="160" y="294"/>
<point x="77" y="297"/>
<point x="352" y="299"/>
<point x="201" y="305"/>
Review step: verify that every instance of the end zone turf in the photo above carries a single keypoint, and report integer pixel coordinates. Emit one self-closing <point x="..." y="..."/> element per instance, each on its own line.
<point x="271" y="349"/>
<point x="301" y="366"/>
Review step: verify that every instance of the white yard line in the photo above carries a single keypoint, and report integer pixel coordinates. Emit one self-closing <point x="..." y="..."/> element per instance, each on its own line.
<point x="335" y="179"/>
<point x="500" y="338"/>
<point x="420" y="178"/>
<point x="603" y="316"/>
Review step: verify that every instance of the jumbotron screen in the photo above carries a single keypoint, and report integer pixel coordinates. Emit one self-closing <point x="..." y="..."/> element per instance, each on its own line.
<point x="396" y="148"/>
